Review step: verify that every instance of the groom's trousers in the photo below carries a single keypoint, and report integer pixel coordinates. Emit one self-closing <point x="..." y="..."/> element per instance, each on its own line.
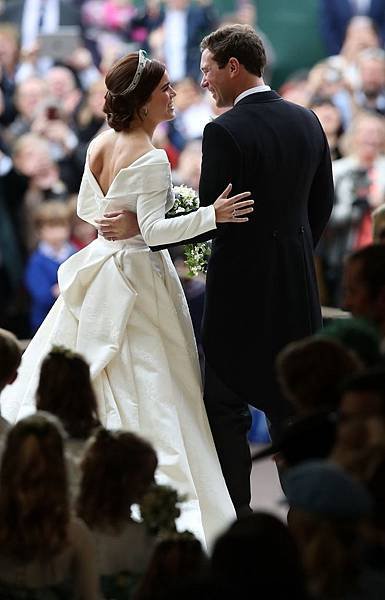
<point x="230" y="420"/>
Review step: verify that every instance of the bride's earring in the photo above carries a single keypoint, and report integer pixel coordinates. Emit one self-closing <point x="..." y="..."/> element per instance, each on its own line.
<point x="145" y="111"/>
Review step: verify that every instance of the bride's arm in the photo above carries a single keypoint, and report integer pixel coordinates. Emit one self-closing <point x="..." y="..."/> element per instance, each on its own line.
<point x="153" y="185"/>
<point x="157" y="230"/>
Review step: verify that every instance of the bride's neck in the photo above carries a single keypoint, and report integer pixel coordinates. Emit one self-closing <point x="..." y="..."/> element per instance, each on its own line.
<point x="144" y="129"/>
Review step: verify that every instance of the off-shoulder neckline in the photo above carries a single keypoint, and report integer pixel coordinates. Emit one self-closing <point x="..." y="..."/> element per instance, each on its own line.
<point x="120" y="170"/>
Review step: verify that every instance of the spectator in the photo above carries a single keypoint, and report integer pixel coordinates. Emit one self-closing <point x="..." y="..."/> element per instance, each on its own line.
<point x="250" y="555"/>
<point x="370" y="92"/>
<point x="328" y="509"/>
<point x="65" y="390"/>
<point x="189" y="165"/>
<point x="43" y="550"/>
<point x="331" y="120"/>
<point x="311" y="370"/>
<point x="364" y="286"/>
<point x="193" y="110"/>
<point x="247" y="14"/>
<point x="52" y="222"/>
<point x="30" y="99"/>
<point x="361" y="425"/>
<point x="45" y="180"/>
<point x="336" y="16"/>
<point x="126" y="464"/>
<point x="176" y="567"/>
<point x="148" y="17"/>
<point x="177" y="41"/>
<point x="359" y="180"/>
<point x="62" y="89"/>
<point x="89" y="118"/>
<point x="327" y="79"/>
<point x="357" y="335"/>
<point x="296" y="88"/>
<point x="361" y="34"/>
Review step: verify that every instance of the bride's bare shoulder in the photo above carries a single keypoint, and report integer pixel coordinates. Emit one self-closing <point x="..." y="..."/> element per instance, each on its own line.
<point x="100" y="146"/>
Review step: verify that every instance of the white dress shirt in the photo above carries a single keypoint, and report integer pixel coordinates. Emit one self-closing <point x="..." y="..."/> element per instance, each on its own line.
<point x="253" y="90"/>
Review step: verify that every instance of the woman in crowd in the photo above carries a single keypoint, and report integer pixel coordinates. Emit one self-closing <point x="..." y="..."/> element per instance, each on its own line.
<point x="65" y="390"/>
<point x="43" y="550"/>
<point x="117" y="470"/>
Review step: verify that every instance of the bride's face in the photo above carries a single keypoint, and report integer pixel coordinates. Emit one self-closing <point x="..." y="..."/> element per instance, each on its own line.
<point x="161" y="104"/>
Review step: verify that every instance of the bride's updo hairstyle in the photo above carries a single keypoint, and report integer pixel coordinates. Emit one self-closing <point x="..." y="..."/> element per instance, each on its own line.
<point x="130" y="83"/>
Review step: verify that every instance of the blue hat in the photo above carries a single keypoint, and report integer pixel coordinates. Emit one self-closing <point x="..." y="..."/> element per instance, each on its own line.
<point x="323" y="488"/>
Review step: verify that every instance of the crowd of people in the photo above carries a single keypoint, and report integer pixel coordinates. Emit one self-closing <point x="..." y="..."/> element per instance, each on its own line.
<point x="69" y="487"/>
<point x="69" y="525"/>
<point x="51" y="109"/>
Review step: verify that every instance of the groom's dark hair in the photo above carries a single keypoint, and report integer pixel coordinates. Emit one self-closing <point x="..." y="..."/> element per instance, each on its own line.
<point x="236" y="41"/>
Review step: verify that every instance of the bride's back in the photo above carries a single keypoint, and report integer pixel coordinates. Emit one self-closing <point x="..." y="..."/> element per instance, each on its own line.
<point x="112" y="151"/>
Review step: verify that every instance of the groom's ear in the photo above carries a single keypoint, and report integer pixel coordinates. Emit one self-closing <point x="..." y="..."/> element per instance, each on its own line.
<point x="233" y="65"/>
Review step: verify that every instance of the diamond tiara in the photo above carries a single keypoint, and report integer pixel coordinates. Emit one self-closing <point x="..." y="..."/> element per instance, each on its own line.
<point x="142" y="61"/>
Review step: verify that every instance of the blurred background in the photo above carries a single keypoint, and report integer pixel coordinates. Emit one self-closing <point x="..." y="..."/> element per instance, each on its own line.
<point x="326" y="55"/>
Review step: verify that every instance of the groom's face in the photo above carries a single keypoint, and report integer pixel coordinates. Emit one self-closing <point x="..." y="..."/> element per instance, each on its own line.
<point x="217" y="81"/>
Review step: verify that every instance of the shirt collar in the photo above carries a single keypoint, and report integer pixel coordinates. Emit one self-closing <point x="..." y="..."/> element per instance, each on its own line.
<point x="59" y="255"/>
<point x="253" y="90"/>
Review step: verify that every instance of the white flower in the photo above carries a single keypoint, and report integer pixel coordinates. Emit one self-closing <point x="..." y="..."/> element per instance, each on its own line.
<point x="197" y="254"/>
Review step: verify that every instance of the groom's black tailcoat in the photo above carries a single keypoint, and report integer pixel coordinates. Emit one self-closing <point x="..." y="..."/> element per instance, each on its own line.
<point x="261" y="289"/>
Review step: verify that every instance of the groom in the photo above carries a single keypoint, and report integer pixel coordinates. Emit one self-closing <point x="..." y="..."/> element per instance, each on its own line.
<point x="261" y="290"/>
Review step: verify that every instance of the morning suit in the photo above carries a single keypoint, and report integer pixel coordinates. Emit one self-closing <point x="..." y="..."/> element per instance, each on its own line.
<point x="261" y="290"/>
<point x="334" y="16"/>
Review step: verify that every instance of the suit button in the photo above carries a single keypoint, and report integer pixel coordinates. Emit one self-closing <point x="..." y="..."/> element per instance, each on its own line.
<point x="275" y="233"/>
<point x="302" y="229"/>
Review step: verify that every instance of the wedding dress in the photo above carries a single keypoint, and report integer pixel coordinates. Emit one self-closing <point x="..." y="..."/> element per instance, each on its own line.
<point x="123" y="308"/>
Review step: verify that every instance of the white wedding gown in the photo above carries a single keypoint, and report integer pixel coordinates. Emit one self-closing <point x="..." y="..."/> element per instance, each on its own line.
<point x="122" y="306"/>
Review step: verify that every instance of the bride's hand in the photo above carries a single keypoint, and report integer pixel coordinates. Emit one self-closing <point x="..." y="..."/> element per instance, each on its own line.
<point x="118" y="225"/>
<point x="232" y="210"/>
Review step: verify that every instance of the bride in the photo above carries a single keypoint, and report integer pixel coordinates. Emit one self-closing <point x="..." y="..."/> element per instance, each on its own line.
<point x="123" y="308"/>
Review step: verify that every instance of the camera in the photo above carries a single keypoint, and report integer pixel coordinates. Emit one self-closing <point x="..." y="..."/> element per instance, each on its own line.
<point x="360" y="191"/>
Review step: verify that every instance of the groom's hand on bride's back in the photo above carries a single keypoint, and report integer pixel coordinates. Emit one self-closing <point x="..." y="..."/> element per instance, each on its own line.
<point x="118" y="225"/>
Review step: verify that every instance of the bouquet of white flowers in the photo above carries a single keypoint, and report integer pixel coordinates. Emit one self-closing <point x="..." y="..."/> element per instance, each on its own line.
<point x="197" y="254"/>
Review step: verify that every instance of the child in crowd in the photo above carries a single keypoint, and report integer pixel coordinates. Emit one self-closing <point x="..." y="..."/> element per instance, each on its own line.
<point x="118" y="469"/>
<point x="10" y="358"/>
<point x="65" y="390"/>
<point x="52" y="221"/>
<point x="44" y="551"/>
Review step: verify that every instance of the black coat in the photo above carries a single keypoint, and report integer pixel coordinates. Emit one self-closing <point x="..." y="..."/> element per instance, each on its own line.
<point x="261" y="290"/>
